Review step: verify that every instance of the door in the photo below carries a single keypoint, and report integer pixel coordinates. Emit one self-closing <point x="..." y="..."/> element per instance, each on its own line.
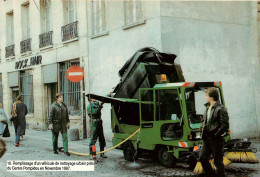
<point x="148" y="130"/>
<point x="51" y="92"/>
<point x="15" y="93"/>
<point x="169" y="114"/>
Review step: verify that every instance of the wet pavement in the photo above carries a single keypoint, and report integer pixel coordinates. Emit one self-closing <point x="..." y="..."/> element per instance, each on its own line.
<point x="36" y="145"/>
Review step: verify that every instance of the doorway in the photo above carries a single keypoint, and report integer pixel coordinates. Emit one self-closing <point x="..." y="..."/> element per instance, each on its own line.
<point x="15" y="93"/>
<point x="51" y="92"/>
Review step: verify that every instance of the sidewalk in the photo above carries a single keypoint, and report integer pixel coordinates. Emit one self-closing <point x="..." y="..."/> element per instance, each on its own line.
<point x="81" y="145"/>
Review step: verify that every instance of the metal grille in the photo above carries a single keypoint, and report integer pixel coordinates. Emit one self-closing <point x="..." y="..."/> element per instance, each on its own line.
<point x="69" y="31"/>
<point x="70" y="90"/>
<point x="45" y="39"/>
<point x="9" y="51"/>
<point x="1" y="89"/>
<point x="27" y="90"/>
<point x="25" y="45"/>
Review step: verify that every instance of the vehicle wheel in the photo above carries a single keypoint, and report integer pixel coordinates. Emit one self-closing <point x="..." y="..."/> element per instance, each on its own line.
<point x="192" y="162"/>
<point x="129" y="151"/>
<point x="154" y="155"/>
<point x="166" y="158"/>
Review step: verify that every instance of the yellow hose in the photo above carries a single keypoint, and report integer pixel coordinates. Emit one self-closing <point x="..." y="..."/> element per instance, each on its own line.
<point x="82" y="154"/>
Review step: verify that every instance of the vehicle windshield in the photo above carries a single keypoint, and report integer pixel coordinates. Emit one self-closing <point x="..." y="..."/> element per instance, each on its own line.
<point x="195" y="103"/>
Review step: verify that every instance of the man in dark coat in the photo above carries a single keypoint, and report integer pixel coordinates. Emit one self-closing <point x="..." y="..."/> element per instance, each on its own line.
<point x="18" y="112"/>
<point x="59" y="122"/>
<point x="215" y="125"/>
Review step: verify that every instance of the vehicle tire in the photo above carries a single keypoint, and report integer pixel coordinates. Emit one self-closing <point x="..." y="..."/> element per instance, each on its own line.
<point x="192" y="162"/>
<point x="166" y="158"/>
<point x="154" y="155"/>
<point x="129" y="151"/>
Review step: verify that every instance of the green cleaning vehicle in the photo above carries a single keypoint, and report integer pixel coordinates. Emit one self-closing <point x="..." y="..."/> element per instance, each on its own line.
<point x="152" y="95"/>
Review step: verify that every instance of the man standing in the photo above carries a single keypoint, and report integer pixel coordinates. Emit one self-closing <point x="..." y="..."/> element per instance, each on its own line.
<point x="96" y="125"/>
<point x="59" y="122"/>
<point x="215" y="124"/>
<point x="18" y="113"/>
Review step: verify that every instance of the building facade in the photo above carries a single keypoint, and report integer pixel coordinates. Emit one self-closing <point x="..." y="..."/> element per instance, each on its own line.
<point x="41" y="39"/>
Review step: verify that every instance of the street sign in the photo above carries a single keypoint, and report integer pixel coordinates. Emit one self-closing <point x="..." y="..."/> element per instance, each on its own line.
<point x="75" y="73"/>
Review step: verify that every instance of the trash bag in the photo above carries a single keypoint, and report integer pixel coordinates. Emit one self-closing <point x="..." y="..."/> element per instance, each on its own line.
<point x="6" y="132"/>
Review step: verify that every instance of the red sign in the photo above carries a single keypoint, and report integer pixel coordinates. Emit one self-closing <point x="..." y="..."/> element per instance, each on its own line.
<point x="75" y="73"/>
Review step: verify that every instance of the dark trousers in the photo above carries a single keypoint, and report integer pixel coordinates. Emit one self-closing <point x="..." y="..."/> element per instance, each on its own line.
<point x="214" y="147"/>
<point x="55" y="136"/>
<point x="97" y="133"/>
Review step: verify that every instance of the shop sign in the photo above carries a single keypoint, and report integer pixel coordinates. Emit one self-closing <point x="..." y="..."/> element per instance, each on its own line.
<point x="29" y="62"/>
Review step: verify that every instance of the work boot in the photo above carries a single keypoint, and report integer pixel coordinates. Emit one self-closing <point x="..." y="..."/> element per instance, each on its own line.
<point x="102" y="154"/>
<point x="67" y="153"/>
<point x="61" y="149"/>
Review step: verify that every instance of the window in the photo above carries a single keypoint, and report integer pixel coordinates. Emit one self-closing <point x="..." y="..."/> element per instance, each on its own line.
<point x="25" y="21"/>
<point x="25" y="44"/>
<point x="98" y="16"/>
<point x="133" y="11"/>
<point x="70" y="90"/>
<point x="258" y="4"/>
<point x="10" y="28"/>
<point x="45" y="15"/>
<point x="168" y="105"/>
<point x="15" y="93"/>
<point x="147" y="106"/>
<point x="45" y="39"/>
<point x="171" y="131"/>
<point x="1" y="89"/>
<point x="26" y="79"/>
<point x="69" y="11"/>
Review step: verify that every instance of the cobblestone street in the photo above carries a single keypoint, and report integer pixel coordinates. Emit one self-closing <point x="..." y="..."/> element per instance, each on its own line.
<point x="36" y="145"/>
